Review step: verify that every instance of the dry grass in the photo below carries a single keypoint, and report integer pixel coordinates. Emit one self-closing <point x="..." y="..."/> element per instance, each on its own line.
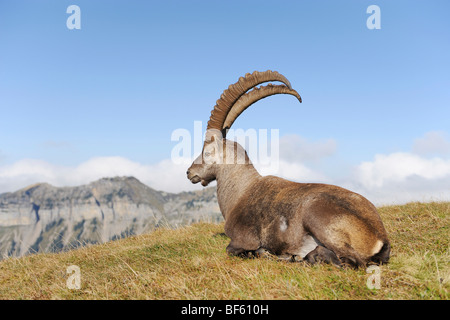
<point x="191" y="263"/>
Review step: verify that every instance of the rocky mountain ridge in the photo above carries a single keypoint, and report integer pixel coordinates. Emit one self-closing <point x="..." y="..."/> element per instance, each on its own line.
<point x="44" y="218"/>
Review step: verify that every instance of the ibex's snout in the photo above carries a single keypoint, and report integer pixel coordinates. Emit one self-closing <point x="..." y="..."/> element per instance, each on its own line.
<point x="192" y="176"/>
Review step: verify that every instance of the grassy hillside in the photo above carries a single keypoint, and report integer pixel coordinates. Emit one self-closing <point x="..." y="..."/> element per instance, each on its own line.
<point x="191" y="263"/>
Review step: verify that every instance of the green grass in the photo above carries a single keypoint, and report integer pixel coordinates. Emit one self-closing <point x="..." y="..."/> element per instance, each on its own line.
<point x="191" y="263"/>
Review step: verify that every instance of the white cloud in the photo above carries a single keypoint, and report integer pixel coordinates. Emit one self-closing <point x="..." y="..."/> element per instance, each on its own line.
<point x="401" y="177"/>
<point x="295" y="148"/>
<point x="164" y="175"/>
<point x="293" y="171"/>
<point x="389" y="178"/>
<point x="398" y="166"/>
<point x="294" y="152"/>
<point x="432" y="143"/>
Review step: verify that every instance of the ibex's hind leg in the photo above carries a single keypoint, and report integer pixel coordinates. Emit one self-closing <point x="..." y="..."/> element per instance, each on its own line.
<point x="322" y="254"/>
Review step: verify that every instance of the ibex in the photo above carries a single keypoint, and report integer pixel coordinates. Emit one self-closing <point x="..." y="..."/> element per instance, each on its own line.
<point x="309" y="222"/>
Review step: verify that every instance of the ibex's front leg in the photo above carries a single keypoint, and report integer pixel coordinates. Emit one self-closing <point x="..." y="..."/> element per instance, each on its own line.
<point x="258" y="253"/>
<point x="234" y="249"/>
<point x="244" y="239"/>
<point x="264" y="253"/>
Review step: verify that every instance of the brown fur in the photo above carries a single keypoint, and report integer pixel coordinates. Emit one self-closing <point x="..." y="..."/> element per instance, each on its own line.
<point x="278" y="215"/>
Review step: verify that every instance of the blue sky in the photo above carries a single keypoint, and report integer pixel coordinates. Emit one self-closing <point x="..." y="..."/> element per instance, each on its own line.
<point x="138" y="70"/>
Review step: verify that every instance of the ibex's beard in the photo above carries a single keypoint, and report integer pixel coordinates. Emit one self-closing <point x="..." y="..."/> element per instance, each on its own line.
<point x="205" y="182"/>
<point x="195" y="179"/>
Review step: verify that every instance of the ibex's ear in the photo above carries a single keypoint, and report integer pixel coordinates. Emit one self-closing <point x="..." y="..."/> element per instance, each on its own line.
<point x="215" y="142"/>
<point x="213" y="135"/>
<point x="215" y="138"/>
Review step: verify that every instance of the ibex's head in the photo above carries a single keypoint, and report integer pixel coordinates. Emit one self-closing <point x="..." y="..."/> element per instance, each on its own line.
<point x="233" y="101"/>
<point x="203" y="169"/>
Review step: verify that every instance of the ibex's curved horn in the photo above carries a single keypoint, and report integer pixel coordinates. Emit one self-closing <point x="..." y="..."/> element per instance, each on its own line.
<point x="251" y="97"/>
<point x="235" y="91"/>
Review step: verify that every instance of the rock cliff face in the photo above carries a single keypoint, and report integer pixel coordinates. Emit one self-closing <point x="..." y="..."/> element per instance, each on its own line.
<point x="44" y="218"/>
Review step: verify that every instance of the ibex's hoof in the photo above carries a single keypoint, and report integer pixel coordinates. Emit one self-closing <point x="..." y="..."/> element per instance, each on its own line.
<point x="232" y="251"/>
<point x="262" y="253"/>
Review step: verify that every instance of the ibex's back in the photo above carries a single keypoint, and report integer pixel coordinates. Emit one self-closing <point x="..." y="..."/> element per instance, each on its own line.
<point x="314" y="222"/>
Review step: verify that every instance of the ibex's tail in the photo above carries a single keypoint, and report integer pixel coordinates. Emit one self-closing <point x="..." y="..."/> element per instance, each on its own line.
<point x="382" y="256"/>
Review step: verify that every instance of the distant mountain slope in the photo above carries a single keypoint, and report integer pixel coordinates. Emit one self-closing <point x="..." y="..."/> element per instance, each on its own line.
<point x="44" y="218"/>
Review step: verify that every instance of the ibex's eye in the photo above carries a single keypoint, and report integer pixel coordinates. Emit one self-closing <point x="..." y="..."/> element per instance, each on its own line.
<point x="207" y="154"/>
